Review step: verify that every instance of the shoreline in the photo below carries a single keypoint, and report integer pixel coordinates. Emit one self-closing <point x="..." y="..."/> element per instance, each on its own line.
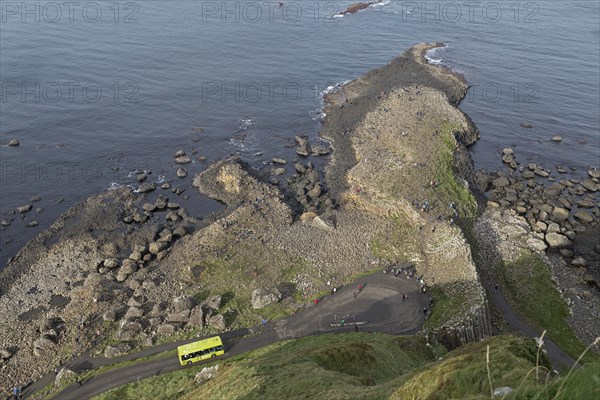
<point x="392" y="136"/>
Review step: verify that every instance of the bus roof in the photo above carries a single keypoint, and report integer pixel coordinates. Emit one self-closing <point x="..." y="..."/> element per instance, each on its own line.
<point x="199" y="345"/>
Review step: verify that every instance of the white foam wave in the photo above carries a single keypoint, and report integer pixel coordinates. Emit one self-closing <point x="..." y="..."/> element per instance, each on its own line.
<point x="430" y="55"/>
<point x="115" y="186"/>
<point x="135" y="172"/>
<point x="381" y="3"/>
<point x="319" y="113"/>
<point x="333" y="88"/>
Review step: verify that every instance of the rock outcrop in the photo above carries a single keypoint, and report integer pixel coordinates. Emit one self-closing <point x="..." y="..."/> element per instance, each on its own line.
<point x="263" y="297"/>
<point x="207" y="373"/>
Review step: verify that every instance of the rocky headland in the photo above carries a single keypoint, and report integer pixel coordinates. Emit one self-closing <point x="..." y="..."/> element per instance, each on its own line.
<point x="128" y="269"/>
<point x="356" y="7"/>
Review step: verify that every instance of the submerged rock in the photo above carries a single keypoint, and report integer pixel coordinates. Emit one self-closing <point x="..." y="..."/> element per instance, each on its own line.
<point x="594" y="173"/>
<point x="183" y="160"/>
<point x="319" y="150"/>
<point x="353" y="8"/>
<point x="501" y="182"/>
<point x="583" y="217"/>
<point x="181" y="173"/>
<point x="560" y="214"/>
<point x="303" y="148"/>
<point x="146" y="187"/>
<point x="25" y="208"/>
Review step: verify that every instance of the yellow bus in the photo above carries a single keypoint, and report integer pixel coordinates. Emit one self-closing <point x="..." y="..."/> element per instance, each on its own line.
<point x="200" y="350"/>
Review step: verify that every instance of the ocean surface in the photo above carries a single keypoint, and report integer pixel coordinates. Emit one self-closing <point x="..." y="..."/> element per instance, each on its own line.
<point x="94" y="90"/>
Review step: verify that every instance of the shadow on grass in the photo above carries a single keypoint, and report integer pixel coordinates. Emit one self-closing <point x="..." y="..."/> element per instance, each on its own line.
<point x="226" y="298"/>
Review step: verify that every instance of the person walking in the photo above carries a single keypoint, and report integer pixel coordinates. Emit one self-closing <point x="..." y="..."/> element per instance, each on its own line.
<point x="355" y="328"/>
<point x="404" y="298"/>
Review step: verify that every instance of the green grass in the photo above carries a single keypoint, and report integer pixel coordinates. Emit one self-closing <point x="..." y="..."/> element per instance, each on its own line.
<point x="512" y="360"/>
<point x="311" y="367"/>
<point x="450" y="189"/>
<point x="232" y="275"/>
<point x="50" y="390"/>
<point x="392" y="246"/>
<point x="445" y="307"/>
<point x="367" y="366"/>
<point x="528" y="286"/>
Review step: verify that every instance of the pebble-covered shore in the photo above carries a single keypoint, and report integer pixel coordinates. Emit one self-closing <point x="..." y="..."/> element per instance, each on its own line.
<point x="130" y="268"/>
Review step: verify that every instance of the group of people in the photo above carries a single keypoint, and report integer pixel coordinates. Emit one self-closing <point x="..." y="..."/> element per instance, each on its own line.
<point x="426" y="207"/>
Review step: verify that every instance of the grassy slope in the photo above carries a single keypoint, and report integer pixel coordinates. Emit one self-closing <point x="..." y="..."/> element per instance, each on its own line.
<point x="397" y="246"/>
<point x="450" y="189"/>
<point x="364" y="366"/>
<point x="528" y="285"/>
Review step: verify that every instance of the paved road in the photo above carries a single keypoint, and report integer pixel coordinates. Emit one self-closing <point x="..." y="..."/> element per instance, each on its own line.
<point x="377" y="307"/>
<point x="557" y="356"/>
